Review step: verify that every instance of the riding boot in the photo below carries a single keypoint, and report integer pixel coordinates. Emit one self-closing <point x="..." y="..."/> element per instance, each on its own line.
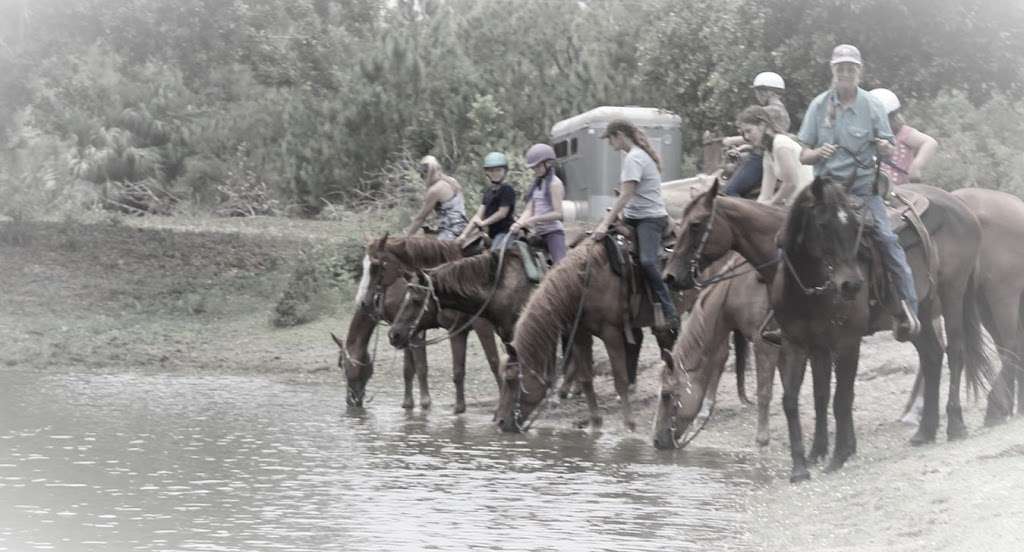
<point x="770" y="330"/>
<point x="907" y="325"/>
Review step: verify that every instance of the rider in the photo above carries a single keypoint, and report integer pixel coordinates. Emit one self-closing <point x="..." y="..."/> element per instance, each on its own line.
<point x="497" y="210"/>
<point x="543" y="212"/>
<point x="913" y="148"/>
<point x="642" y="206"/>
<point x="781" y="156"/>
<point x="444" y="197"/>
<point x="843" y="131"/>
<point x="768" y="88"/>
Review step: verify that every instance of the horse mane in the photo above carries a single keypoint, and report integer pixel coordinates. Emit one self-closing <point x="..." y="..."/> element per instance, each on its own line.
<point x="800" y="218"/>
<point x="469" y="277"/>
<point x="552" y="307"/>
<point x="691" y="349"/>
<point x="420" y="252"/>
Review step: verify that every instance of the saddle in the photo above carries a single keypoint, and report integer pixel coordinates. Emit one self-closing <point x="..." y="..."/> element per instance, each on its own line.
<point x="907" y="211"/>
<point x="622" y="251"/>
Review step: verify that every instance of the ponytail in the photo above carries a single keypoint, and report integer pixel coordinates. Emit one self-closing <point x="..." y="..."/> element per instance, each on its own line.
<point x="637" y="136"/>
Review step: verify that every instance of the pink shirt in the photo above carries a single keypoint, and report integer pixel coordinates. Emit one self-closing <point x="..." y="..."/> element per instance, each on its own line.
<point x="902" y="158"/>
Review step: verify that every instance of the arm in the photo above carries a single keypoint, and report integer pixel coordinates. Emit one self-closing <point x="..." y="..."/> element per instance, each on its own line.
<point x="473" y="223"/>
<point x="924" y="147"/>
<point x="524" y="218"/>
<point x="626" y="193"/>
<point x="429" y="201"/>
<point x="810" y="156"/>
<point x="787" y="165"/>
<point x="498" y="215"/>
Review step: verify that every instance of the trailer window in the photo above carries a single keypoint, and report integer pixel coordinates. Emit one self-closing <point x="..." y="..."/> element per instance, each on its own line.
<point x="573" y="146"/>
<point x="562" y="149"/>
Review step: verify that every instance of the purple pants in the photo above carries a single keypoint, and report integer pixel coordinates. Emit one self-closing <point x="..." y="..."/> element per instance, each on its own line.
<point x="555" y="244"/>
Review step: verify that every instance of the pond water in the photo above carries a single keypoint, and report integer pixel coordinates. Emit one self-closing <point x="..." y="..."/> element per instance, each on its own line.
<point x="143" y="461"/>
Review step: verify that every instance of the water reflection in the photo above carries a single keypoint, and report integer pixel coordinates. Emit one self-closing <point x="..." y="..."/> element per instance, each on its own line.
<point x="166" y="462"/>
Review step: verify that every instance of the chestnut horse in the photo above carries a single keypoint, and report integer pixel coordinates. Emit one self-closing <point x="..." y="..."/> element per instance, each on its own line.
<point x="694" y="366"/>
<point x="822" y="305"/>
<point x="380" y="294"/>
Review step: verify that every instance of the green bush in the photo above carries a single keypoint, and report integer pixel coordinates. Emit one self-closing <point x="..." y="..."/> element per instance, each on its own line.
<point x="315" y="285"/>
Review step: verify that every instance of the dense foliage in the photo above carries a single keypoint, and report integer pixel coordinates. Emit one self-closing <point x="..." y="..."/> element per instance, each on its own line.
<point x="264" y="106"/>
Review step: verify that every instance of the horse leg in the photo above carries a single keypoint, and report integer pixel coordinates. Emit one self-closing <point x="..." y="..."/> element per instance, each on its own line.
<point x="953" y="315"/>
<point x="821" y="376"/>
<point x="929" y="353"/>
<point x="458" y="344"/>
<point x="408" y="375"/>
<point x="583" y="361"/>
<point x="420" y="354"/>
<point x="615" y="344"/>
<point x="633" y="354"/>
<point x="846" y="373"/>
<point x="766" y="358"/>
<point x="792" y="380"/>
<point x="485" y="334"/>
<point x="1002" y="323"/>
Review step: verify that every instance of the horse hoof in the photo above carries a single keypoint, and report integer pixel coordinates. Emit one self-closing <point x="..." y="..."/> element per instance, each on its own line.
<point x="800" y="475"/>
<point x="816" y="456"/>
<point x="995" y="420"/>
<point x="920" y="438"/>
<point x="630" y="425"/>
<point x="834" y="465"/>
<point x="425" y="405"/>
<point x="956" y="433"/>
<point x="407" y="405"/>
<point x="596" y="421"/>
<point x="762" y="441"/>
<point x="459" y="409"/>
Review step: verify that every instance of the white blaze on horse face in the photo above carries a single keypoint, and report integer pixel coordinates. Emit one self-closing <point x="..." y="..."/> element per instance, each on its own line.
<point x="843" y="218"/>
<point x="364" y="282"/>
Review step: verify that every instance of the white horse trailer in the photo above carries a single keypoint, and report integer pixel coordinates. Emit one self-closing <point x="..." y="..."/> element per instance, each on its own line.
<point x="592" y="167"/>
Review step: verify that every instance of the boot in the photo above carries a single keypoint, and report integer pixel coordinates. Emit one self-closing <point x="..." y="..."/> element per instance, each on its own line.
<point x="907" y="325"/>
<point x="770" y="331"/>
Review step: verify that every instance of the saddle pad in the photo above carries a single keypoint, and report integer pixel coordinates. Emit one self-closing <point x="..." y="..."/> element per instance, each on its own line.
<point x="534" y="269"/>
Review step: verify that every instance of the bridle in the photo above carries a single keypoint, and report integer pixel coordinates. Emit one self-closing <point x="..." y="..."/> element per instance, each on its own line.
<point x="698" y="251"/>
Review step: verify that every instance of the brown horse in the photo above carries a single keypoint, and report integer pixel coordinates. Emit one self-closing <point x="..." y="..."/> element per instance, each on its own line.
<point x="1001" y="284"/>
<point x="694" y="366"/>
<point x="466" y="286"/>
<point x="826" y="320"/>
<point x="380" y="294"/>
<point x="582" y="290"/>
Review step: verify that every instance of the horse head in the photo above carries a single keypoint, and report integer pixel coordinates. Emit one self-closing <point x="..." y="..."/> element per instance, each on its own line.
<point x="415" y="304"/>
<point x="702" y="236"/>
<point x="682" y="394"/>
<point x="357" y="370"/>
<point x="523" y="387"/>
<point x="822" y="237"/>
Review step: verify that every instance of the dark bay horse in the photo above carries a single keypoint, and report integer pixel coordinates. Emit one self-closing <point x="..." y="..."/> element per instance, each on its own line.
<point x="466" y="286"/>
<point x="581" y="289"/>
<point x="1001" y="284"/>
<point x="822" y="305"/>
<point x="380" y="294"/>
<point x="694" y="366"/>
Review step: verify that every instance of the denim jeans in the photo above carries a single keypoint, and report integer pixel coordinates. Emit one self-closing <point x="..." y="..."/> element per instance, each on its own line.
<point x="893" y="256"/>
<point x="648" y="237"/>
<point x="747" y="177"/>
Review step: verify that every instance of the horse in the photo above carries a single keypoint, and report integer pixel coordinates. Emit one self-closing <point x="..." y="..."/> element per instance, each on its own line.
<point x="1001" y="284"/>
<point x="583" y="297"/>
<point x="694" y="366"/>
<point x="470" y="286"/>
<point x="821" y="321"/>
<point x="380" y="293"/>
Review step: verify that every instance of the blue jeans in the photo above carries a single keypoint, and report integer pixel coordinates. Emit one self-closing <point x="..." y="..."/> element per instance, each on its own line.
<point x="893" y="256"/>
<point x="747" y="177"/>
<point x="500" y="241"/>
<point x="648" y="237"/>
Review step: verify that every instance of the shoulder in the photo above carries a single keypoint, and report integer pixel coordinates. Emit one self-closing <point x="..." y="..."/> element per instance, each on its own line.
<point x="782" y="142"/>
<point x="818" y="101"/>
<point x="639" y="156"/>
<point x="869" y="100"/>
<point x="556" y="182"/>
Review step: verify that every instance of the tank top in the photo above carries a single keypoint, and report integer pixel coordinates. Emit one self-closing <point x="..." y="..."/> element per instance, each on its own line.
<point x="451" y="217"/>
<point x="541" y="197"/>
<point x="902" y="158"/>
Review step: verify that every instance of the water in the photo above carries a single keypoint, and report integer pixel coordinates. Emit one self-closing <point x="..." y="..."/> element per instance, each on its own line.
<point x="174" y="462"/>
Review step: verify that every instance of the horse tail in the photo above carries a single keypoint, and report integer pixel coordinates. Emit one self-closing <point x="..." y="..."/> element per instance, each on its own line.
<point x="977" y="353"/>
<point x="741" y="350"/>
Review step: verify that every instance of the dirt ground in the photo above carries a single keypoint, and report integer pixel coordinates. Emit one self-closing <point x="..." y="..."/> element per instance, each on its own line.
<point x="156" y="294"/>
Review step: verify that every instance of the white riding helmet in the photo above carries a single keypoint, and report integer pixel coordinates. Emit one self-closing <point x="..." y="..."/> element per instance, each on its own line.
<point x="769" y="80"/>
<point x="889" y="100"/>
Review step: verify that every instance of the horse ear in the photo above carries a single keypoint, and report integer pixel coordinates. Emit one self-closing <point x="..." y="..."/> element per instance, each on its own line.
<point x="512" y="356"/>
<point x="383" y="240"/>
<point x="421" y="277"/>
<point x="670" y="361"/>
<point x="713" y="191"/>
<point x="338" y="341"/>
<point x="818" y="188"/>
<point x="410" y="276"/>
